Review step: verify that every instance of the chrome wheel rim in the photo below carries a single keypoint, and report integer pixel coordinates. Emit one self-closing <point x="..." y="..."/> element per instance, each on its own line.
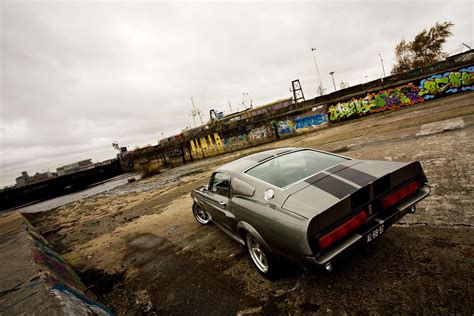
<point x="257" y="253"/>
<point x="201" y="215"/>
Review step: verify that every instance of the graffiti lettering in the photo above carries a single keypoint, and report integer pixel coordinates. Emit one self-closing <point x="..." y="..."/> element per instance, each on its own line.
<point x="285" y="127"/>
<point x="260" y="133"/>
<point x="204" y="147"/>
<point x="376" y="102"/>
<point x="219" y="144"/>
<point x="235" y="142"/>
<point x="447" y="83"/>
<point x="409" y="94"/>
<point x="311" y="121"/>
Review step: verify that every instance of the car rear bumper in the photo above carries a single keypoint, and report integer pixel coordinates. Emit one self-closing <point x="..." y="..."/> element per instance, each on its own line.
<point x="386" y="218"/>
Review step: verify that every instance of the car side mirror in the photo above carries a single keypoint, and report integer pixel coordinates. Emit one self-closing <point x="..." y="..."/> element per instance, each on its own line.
<point x="242" y="188"/>
<point x="205" y="189"/>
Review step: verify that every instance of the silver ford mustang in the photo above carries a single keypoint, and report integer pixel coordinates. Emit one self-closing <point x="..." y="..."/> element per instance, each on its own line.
<point x="305" y="204"/>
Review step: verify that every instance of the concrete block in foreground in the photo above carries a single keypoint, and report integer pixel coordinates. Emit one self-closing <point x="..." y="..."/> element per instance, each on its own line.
<point x="34" y="280"/>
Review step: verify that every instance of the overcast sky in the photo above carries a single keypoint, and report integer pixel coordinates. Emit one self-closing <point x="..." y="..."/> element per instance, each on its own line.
<point x="76" y="76"/>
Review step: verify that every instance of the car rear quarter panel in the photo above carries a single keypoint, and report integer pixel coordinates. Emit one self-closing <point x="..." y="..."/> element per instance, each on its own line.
<point x="284" y="232"/>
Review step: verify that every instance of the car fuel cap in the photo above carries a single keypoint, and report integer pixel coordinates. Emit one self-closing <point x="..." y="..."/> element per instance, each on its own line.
<point x="268" y="195"/>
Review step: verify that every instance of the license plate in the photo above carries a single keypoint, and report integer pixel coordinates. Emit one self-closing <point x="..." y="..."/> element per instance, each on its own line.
<point x="376" y="232"/>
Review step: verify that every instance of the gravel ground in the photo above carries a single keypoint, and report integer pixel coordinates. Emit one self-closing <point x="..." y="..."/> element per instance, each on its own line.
<point x="141" y="251"/>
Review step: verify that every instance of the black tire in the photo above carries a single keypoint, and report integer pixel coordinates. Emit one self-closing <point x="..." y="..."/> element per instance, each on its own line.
<point x="201" y="215"/>
<point x="262" y="259"/>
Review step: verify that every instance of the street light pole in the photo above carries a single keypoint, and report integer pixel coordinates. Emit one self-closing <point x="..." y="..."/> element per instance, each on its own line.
<point x="333" y="82"/>
<point x="319" y="87"/>
<point x="381" y="61"/>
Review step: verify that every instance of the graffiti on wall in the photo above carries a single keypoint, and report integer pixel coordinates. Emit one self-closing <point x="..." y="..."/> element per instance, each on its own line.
<point x="51" y="261"/>
<point x="286" y="127"/>
<point x="385" y="100"/>
<point x="449" y="82"/>
<point x="63" y="281"/>
<point x="235" y="142"/>
<point x="311" y="121"/>
<point x="206" y="146"/>
<point x="376" y="102"/>
<point x="76" y="303"/>
<point x="408" y="94"/>
<point x="260" y="133"/>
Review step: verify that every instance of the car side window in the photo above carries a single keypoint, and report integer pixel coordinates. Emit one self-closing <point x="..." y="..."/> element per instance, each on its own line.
<point x="221" y="184"/>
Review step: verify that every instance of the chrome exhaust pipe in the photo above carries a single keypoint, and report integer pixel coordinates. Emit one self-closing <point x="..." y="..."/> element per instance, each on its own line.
<point x="412" y="209"/>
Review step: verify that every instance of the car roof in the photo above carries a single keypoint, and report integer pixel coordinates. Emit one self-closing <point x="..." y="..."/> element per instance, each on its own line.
<point x="240" y="165"/>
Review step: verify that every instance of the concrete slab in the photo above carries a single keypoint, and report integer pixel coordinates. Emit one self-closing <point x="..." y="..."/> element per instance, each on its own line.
<point x="34" y="279"/>
<point x="441" y="126"/>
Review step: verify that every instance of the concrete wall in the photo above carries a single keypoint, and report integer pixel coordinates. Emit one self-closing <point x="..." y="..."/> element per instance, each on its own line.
<point x="451" y="76"/>
<point x="410" y="93"/>
<point x="263" y="133"/>
<point x="34" y="278"/>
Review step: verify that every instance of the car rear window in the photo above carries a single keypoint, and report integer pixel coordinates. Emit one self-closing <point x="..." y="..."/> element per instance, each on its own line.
<point x="287" y="169"/>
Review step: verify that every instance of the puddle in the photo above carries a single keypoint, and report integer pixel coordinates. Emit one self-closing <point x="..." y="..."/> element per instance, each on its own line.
<point x="146" y="241"/>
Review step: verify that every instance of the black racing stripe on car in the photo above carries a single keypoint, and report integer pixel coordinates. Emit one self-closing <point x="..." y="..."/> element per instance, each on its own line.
<point x="335" y="187"/>
<point x="316" y="177"/>
<point x="356" y="176"/>
<point x="336" y="168"/>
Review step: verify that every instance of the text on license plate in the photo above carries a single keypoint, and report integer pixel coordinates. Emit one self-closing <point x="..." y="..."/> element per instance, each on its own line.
<point x="375" y="233"/>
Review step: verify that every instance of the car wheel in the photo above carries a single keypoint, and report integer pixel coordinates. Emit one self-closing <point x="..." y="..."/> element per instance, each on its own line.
<point x="261" y="258"/>
<point x="201" y="215"/>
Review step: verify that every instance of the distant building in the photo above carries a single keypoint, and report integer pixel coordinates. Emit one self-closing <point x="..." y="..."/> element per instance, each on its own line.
<point x="75" y="167"/>
<point x="26" y="179"/>
<point x="103" y="163"/>
<point x="21" y="180"/>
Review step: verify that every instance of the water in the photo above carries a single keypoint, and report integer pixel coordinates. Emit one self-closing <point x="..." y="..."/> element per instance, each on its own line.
<point x="65" y="199"/>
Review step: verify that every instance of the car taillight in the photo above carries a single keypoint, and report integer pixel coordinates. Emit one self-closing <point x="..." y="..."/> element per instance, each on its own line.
<point x="399" y="195"/>
<point x="343" y="230"/>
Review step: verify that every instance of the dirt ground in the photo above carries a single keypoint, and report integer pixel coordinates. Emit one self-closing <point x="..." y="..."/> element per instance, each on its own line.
<point x="140" y="250"/>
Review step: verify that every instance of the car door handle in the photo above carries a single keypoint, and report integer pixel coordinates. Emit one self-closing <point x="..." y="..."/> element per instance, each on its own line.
<point x="222" y="203"/>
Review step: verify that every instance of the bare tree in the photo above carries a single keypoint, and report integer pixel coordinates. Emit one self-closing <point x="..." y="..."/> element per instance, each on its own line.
<point x="425" y="49"/>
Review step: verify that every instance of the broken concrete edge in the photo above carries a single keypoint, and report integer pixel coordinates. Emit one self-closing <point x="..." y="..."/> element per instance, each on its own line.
<point x="35" y="279"/>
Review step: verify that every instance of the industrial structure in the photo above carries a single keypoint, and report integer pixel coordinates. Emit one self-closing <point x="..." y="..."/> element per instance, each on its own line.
<point x="291" y="116"/>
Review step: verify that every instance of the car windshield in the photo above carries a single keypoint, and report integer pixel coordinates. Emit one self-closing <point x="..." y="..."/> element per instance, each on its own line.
<point x="287" y="169"/>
